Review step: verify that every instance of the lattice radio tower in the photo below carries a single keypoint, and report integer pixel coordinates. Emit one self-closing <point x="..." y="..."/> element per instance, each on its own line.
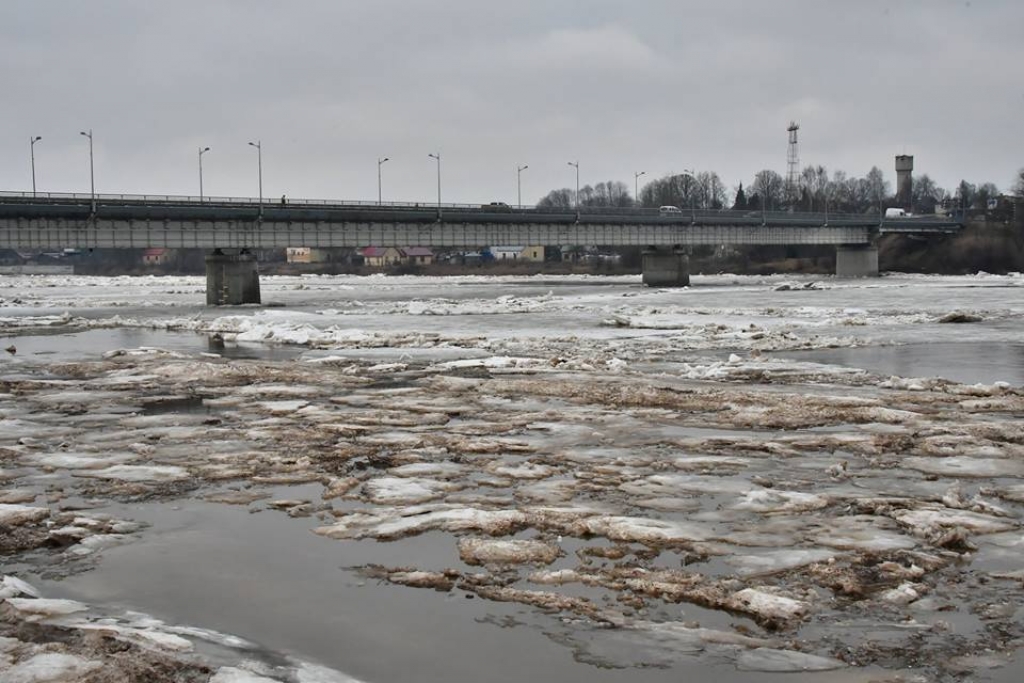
<point x="793" y="165"/>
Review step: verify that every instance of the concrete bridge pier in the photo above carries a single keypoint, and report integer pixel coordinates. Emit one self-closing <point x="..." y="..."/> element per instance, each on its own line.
<point x="666" y="267"/>
<point x="231" y="279"/>
<point x="857" y="260"/>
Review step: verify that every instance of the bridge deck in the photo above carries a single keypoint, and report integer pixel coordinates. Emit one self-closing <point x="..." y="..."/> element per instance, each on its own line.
<point x="68" y="221"/>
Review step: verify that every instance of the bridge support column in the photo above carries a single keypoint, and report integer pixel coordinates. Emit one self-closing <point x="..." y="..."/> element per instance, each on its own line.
<point x="231" y="279"/>
<point x="859" y="260"/>
<point x="666" y="267"/>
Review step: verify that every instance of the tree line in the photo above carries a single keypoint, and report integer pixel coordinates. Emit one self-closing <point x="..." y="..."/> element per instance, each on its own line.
<point x="816" y="190"/>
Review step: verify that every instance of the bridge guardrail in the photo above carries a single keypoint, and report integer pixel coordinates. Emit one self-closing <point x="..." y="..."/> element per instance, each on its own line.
<point x="697" y="215"/>
<point x="213" y="199"/>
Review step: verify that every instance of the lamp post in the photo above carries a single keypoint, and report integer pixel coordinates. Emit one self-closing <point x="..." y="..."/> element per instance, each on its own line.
<point x="92" y="175"/>
<point x="576" y="165"/>
<point x="828" y="196"/>
<point x="636" y="185"/>
<point x="32" y="148"/>
<point x="380" y="162"/>
<point x="519" y="185"/>
<point x="259" y="168"/>
<point x="202" y="151"/>
<point x="437" y="157"/>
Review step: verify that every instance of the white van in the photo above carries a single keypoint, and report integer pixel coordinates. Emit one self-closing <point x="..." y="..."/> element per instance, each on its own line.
<point x="669" y="209"/>
<point x="895" y="213"/>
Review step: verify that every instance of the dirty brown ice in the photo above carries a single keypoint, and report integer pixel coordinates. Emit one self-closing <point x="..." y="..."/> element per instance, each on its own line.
<point x="760" y="520"/>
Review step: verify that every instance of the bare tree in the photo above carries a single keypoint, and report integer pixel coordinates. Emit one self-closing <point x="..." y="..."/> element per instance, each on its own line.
<point x="926" y="194"/>
<point x="588" y="197"/>
<point x="611" y="193"/>
<point x="558" y="199"/>
<point x="821" y="182"/>
<point x="877" y="184"/>
<point x="965" y="195"/>
<point x="674" y="190"/>
<point x="713" y="194"/>
<point x="807" y="185"/>
<point x="689" y="189"/>
<point x="983" y="194"/>
<point x="770" y="188"/>
<point x="840" y="192"/>
<point x="1018" y="187"/>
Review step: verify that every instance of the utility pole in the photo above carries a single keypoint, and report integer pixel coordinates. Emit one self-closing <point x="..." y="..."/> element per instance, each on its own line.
<point x="32" y="146"/>
<point x="92" y="174"/>
<point x="437" y="157"/>
<point x="259" y="167"/>
<point x="380" y="162"/>
<point x="576" y="165"/>
<point x="202" y="151"/>
<point x="519" y="185"/>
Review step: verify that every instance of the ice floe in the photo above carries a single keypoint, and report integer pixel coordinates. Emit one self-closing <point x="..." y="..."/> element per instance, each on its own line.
<point x="15" y="515"/>
<point x="781" y="661"/>
<point x="477" y="551"/>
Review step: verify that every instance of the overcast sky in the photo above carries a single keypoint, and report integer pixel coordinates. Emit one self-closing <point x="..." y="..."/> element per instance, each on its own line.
<point x="329" y="86"/>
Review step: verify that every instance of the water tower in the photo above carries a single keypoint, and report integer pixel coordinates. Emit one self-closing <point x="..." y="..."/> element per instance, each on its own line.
<point x="904" y="183"/>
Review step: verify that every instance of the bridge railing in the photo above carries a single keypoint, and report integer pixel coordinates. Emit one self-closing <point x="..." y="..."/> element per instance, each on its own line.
<point x="213" y="199"/>
<point x="682" y="216"/>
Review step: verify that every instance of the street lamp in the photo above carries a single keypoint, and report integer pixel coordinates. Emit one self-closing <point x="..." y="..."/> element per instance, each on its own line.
<point x="437" y="158"/>
<point x="202" y="151"/>
<point x="576" y="165"/>
<point x="519" y="185"/>
<point x="828" y="197"/>
<point x="32" y="147"/>
<point x="259" y="167"/>
<point x="380" y="162"/>
<point x="636" y="185"/>
<point x="92" y="175"/>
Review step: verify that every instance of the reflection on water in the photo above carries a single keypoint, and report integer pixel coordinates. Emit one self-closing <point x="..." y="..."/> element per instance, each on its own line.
<point x="261" y="578"/>
<point x="984" y="363"/>
<point x="64" y="346"/>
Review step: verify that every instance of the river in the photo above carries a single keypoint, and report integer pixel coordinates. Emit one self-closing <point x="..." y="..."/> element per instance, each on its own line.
<point x="564" y="478"/>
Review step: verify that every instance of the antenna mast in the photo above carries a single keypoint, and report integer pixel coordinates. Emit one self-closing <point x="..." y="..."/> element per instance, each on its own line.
<point x="793" y="165"/>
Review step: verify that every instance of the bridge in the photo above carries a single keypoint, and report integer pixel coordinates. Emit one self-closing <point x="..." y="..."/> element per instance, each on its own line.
<point x="240" y="225"/>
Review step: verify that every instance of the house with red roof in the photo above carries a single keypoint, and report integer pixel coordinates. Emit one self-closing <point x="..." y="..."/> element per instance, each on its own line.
<point x="417" y="256"/>
<point x="382" y="257"/>
<point x="156" y="256"/>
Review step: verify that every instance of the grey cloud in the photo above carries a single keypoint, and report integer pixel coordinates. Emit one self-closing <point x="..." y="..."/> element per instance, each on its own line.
<point x="656" y="85"/>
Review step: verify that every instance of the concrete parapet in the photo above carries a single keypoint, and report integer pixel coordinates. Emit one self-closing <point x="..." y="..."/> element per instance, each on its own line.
<point x="231" y="279"/>
<point x="666" y="267"/>
<point x="857" y="261"/>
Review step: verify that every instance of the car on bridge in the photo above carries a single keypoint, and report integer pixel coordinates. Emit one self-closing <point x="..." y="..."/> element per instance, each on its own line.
<point x="668" y="210"/>
<point x="496" y="206"/>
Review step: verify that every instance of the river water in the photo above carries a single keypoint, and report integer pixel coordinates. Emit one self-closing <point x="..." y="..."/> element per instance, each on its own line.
<point x="252" y="571"/>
